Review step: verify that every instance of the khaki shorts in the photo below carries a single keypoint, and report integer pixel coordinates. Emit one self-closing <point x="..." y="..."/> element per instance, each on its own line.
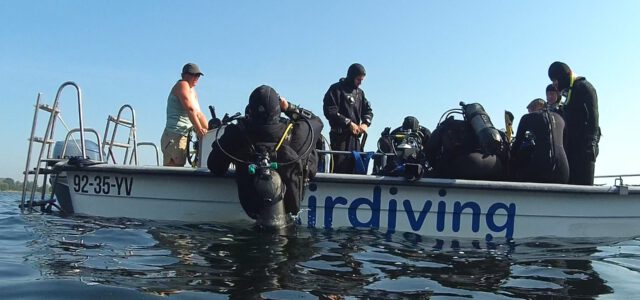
<point x="174" y="149"/>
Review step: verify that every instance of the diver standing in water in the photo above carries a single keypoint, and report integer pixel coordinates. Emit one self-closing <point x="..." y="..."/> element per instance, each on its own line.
<point x="274" y="156"/>
<point x="349" y="114"/>
<point x="581" y="118"/>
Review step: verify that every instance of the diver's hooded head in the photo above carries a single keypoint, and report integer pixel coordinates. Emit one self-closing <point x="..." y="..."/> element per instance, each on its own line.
<point x="411" y="123"/>
<point x="264" y="106"/>
<point x="562" y="73"/>
<point x="354" y="71"/>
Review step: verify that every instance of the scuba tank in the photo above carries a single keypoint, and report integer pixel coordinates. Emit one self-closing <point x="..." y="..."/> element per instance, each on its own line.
<point x="269" y="190"/>
<point x="489" y="137"/>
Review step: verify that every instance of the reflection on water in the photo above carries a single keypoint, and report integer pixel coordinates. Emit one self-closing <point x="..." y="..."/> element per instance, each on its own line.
<point x="185" y="261"/>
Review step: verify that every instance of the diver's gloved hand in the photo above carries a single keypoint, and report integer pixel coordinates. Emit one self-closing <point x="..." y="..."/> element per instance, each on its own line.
<point x="295" y="112"/>
<point x="386" y="131"/>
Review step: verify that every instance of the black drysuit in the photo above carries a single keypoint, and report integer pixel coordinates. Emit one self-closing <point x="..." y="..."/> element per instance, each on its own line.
<point x="583" y="131"/>
<point x="541" y="156"/>
<point x="344" y="103"/>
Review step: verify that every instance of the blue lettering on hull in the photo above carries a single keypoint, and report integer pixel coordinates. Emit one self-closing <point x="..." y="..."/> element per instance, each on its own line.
<point x="365" y="212"/>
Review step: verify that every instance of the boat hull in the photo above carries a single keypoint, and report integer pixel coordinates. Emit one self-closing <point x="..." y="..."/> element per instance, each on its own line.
<point x="430" y="207"/>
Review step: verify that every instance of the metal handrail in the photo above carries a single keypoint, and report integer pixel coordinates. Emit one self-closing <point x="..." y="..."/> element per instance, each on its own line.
<point x="619" y="175"/>
<point x="83" y="149"/>
<point x="618" y="178"/>
<point x="350" y="153"/>
<point x="156" y="149"/>
<point x="72" y="131"/>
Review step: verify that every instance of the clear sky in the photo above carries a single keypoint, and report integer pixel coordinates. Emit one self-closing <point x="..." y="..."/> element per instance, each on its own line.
<point x="422" y="58"/>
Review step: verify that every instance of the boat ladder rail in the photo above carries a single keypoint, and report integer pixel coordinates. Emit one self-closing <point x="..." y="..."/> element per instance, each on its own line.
<point x="45" y="161"/>
<point x="131" y="144"/>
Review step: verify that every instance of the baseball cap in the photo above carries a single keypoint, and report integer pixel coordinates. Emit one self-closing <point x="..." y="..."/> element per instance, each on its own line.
<point x="192" y="69"/>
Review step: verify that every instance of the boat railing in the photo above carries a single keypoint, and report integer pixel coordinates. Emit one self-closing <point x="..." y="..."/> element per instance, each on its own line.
<point x="155" y="147"/>
<point x="329" y="153"/>
<point x="618" y="178"/>
<point x="69" y="137"/>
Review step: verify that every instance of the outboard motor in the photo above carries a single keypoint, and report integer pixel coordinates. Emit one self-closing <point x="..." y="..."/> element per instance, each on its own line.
<point x="72" y="149"/>
<point x="488" y="136"/>
<point x="270" y="191"/>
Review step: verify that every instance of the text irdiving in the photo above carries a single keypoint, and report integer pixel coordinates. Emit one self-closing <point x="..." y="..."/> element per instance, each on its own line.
<point x="422" y="216"/>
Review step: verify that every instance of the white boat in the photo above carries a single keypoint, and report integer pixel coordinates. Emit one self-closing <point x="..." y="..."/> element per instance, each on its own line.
<point x="432" y="207"/>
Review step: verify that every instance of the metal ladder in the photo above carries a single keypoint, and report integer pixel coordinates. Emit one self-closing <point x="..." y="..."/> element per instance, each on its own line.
<point x="44" y="164"/>
<point x="131" y="145"/>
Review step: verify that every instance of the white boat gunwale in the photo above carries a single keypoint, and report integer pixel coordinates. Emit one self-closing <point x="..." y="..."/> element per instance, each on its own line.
<point x="369" y="180"/>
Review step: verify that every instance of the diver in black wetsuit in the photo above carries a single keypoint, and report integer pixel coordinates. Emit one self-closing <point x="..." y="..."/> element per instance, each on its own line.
<point x="580" y="112"/>
<point x="537" y="154"/>
<point x="263" y="136"/>
<point x="349" y="114"/>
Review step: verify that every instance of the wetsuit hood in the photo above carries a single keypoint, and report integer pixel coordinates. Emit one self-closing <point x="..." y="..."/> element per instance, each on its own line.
<point x="550" y="87"/>
<point x="410" y="123"/>
<point x="354" y="71"/>
<point x="264" y="106"/>
<point x="561" y="72"/>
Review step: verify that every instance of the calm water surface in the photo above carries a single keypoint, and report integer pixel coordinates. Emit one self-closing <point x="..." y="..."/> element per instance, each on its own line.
<point x="52" y="257"/>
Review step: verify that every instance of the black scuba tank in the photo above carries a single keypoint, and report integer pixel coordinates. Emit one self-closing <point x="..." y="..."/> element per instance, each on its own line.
<point x="488" y="136"/>
<point x="270" y="190"/>
<point x="269" y="187"/>
<point x="266" y="180"/>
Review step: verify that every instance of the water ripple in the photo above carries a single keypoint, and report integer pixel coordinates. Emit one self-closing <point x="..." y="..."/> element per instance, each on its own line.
<point x="138" y="259"/>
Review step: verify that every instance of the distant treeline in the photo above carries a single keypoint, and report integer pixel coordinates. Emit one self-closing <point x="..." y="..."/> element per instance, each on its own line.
<point x="8" y="184"/>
